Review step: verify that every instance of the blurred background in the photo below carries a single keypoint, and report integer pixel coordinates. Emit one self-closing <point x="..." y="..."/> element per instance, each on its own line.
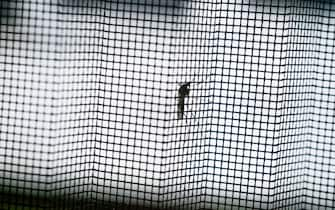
<point x="89" y="104"/>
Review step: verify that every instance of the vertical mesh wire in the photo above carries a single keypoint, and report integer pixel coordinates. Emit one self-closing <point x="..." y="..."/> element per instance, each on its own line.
<point x="91" y="99"/>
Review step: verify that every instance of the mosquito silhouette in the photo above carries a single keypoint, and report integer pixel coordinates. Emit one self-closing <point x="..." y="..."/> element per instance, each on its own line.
<point x="182" y="93"/>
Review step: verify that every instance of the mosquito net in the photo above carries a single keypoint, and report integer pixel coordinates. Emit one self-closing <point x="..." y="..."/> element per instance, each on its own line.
<point x="167" y="104"/>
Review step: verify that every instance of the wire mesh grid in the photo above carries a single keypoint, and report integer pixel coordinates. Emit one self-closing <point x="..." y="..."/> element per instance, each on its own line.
<point x="93" y="114"/>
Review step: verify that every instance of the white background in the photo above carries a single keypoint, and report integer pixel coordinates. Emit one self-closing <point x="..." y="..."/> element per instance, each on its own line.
<point x="89" y="102"/>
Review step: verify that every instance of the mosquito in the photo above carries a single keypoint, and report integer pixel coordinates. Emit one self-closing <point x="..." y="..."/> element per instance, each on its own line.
<point x="183" y="93"/>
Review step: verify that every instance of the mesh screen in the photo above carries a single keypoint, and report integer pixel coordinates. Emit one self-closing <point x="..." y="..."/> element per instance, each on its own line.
<point x="167" y="104"/>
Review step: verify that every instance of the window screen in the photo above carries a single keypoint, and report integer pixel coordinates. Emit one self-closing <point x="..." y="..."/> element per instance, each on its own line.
<point x="167" y="104"/>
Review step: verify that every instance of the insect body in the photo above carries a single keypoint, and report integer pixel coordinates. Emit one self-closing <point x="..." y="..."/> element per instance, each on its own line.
<point x="182" y="93"/>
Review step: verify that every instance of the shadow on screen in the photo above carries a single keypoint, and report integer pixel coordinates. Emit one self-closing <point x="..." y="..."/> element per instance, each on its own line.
<point x="93" y="6"/>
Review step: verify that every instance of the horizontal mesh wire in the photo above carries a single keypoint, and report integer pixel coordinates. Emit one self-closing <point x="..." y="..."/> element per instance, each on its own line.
<point x="167" y="104"/>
